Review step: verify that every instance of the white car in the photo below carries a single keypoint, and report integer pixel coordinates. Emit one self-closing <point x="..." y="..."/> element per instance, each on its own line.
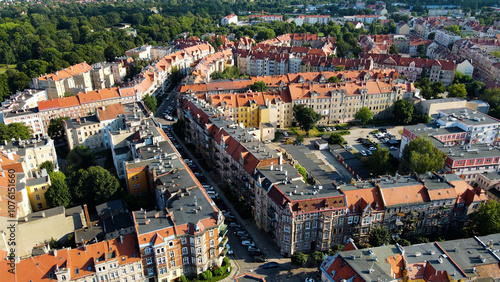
<point x="285" y="134"/>
<point x="248" y="243"/>
<point x="363" y="153"/>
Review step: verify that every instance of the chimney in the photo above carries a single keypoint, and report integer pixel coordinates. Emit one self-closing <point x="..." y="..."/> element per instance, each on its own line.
<point x="87" y="217"/>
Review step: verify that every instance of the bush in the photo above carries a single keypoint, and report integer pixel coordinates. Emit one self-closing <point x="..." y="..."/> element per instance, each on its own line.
<point x="317" y="257"/>
<point x="207" y="275"/>
<point x="218" y="272"/>
<point x="183" y="278"/>
<point x="300" y="139"/>
<point x="299" y="259"/>
<point x="225" y="261"/>
<point x="302" y="171"/>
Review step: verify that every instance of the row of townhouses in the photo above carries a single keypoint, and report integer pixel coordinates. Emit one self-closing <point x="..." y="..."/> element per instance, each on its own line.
<point x="184" y="235"/>
<point x="325" y="209"/>
<point x="472" y="259"/>
<point x="35" y="108"/>
<point x="336" y="102"/>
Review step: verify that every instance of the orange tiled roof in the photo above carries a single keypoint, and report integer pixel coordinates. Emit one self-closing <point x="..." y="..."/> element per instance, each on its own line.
<point x="71" y="71"/>
<point x="38" y="268"/>
<point x="110" y="111"/>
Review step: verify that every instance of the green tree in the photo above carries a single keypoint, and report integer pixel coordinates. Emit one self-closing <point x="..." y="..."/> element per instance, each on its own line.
<point x="485" y="220"/>
<point x="150" y="102"/>
<point x="475" y="88"/>
<point x="318" y="257"/>
<point x="437" y="88"/>
<point x="431" y="36"/>
<point x="258" y="86"/>
<point x="422" y="156"/>
<point x="183" y="278"/>
<point x="175" y="75"/>
<point x="379" y="162"/>
<point x="80" y="157"/>
<point x="457" y="90"/>
<point x="333" y="79"/>
<point x="364" y="115"/>
<point x="217" y="75"/>
<point x="48" y="165"/>
<point x="403" y="111"/>
<point x="306" y="117"/>
<point x="461" y="78"/>
<point x="335" y="138"/>
<point x="421" y="50"/>
<point x="207" y="275"/>
<point x="94" y="185"/>
<point x="495" y="54"/>
<point x="299" y="259"/>
<point x="379" y="236"/>
<point x="58" y="193"/>
<point x="14" y="130"/>
<point x="265" y="34"/>
<point x="393" y="49"/>
<point x="56" y="129"/>
<point x="453" y="28"/>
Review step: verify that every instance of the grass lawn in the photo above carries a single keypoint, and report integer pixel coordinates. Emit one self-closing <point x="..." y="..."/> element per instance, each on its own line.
<point x="315" y="132"/>
<point x="4" y="69"/>
<point x="321" y="34"/>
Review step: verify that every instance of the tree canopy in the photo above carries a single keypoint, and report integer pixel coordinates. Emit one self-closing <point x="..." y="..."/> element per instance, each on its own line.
<point x="335" y="138"/>
<point x="58" y="193"/>
<point x="93" y="186"/>
<point x="379" y="236"/>
<point x="150" y="102"/>
<point x="80" y="158"/>
<point x="422" y="156"/>
<point x="48" y="166"/>
<point x="258" y="86"/>
<point x="457" y="90"/>
<point x="485" y="220"/>
<point x="364" y="115"/>
<point x="306" y="117"/>
<point x="56" y="129"/>
<point x="299" y="259"/>
<point x="14" y="130"/>
<point x="403" y="111"/>
<point x="379" y="162"/>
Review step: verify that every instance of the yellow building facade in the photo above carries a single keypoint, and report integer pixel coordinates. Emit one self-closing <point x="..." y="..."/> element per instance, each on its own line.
<point x="249" y="115"/>
<point x="137" y="180"/>
<point x="36" y="188"/>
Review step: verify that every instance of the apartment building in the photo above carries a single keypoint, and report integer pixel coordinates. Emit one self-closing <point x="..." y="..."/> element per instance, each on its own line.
<point x="478" y="53"/>
<point x="312" y="19"/>
<point x="32" y="153"/>
<point x="402" y="28"/>
<point x="116" y="259"/>
<point x="265" y="18"/>
<point x="22" y="107"/>
<point x="216" y="62"/>
<point x="102" y="76"/>
<point x="413" y="68"/>
<point x="437" y="261"/>
<point x="91" y="131"/>
<point x="72" y="80"/>
<point x="446" y="38"/>
<point x="467" y="137"/>
<point x="36" y="188"/>
<point x="229" y="19"/>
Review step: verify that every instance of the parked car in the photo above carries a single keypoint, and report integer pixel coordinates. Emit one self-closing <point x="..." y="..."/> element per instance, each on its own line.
<point x="363" y="153"/>
<point x="372" y="148"/>
<point x="392" y="148"/>
<point x="234" y="224"/>
<point x="369" y="152"/>
<point x="241" y="233"/>
<point x="271" y="264"/>
<point x="252" y="248"/>
<point x="384" y="130"/>
<point x="248" y="243"/>
<point x="245" y="238"/>
<point x="259" y="259"/>
<point x="285" y="134"/>
<point x="255" y="253"/>
<point x="348" y="147"/>
<point x="229" y="250"/>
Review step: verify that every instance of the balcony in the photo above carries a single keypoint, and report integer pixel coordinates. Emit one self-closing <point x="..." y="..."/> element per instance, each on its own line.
<point x="224" y="241"/>
<point x="223" y="230"/>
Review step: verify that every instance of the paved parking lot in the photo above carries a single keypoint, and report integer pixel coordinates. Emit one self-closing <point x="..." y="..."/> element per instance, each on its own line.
<point x="365" y="133"/>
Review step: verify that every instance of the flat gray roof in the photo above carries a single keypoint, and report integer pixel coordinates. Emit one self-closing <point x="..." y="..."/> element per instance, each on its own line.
<point x="469" y="117"/>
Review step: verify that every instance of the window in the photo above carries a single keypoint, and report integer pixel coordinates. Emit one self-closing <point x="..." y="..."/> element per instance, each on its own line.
<point x="198" y="251"/>
<point x="37" y="197"/>
<point x="198" y="241"/>
<point x="308" y="225"/>
<point x="138" y="185"/>
<point x="184" y="250"/>
<point x="150" y="271"/>
<point x="147" y="250"/>
<point x="185" y="260"/>
<point x="161" y="260"/>
<point x="132" y="268"/>
<point x="287" y="229"/>
<point x="183" y="240"/>
<point x="172" y="263"/>
<point x="77" y="271"/>
<point x="40" y="205"/>
<point x="149" y="261"/>
<point x="200" y="260"/>
<point x="211" y="233"/>
<point x="171" y="254"/>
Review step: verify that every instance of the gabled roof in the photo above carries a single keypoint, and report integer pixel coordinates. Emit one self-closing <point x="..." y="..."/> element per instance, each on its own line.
<point x="39" y="268"/>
